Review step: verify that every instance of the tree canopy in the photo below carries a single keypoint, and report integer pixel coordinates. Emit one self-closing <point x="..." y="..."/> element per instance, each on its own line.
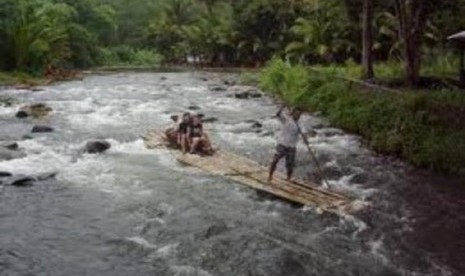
<point x="36" y="34"/>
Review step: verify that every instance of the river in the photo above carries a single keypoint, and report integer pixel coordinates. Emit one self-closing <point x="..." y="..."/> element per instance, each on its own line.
<point x="133" y="211"/>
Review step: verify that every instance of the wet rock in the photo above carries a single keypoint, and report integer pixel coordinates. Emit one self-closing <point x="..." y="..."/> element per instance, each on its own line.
<point x="229" y="82"/>
<point x="331" y="132"/>
<point x="37" y="110"/>
<point x="21" y="181"/>
<point x="7" y="154"/>
<point x="97" y="146"/>
<point x="5" y="174"/>
<point x="359" y="178"/>
<point x="210" y="120"/>
<point x="247" y="94"/>
<point x="242" y="95"/>
<point x="256" y="95"/>
<point x="333" y="172"/>
<point x="6" y="101"/>
<point x="217" y="88"/>
<point x="266" y="134"/>
<point x="42" y="129"/>
<point x="174" y="118"/>
<point x="216" y="230"/>
<point x="9" y="145"/>
<point x="27" y="137"/>
<point x="21" y="114"/>
<point x="46" y="176"/>
<point x="311" y="133"/>
<point x="163" y="78"/>
<point x="204" y="79"/>
<point x="193" y="107"/>
<point x="257" y="125"/>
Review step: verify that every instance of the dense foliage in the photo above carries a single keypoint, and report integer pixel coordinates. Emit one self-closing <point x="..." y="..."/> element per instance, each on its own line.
<point x="426" y="128"/>
<point x="36" y="34"/>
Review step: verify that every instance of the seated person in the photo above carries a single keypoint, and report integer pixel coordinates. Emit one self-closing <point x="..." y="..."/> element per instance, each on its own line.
<point x="182" y="132"/>
<point x="171" y="133"/>
<point x="198" y="137"/>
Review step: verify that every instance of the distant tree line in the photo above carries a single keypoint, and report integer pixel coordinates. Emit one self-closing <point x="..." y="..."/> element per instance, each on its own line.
<point x="38" y="34"/>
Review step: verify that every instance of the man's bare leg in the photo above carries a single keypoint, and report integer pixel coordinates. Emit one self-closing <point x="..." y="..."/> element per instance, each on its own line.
<point x="289" y="174"/>
<point x="273" y="165"/>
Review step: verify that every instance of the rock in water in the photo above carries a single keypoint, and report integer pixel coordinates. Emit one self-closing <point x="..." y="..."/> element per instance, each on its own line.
<point x="46" y="176"/>
<point x="42" y="129"/>
<point x="5" y="174"/>
<point x="37" y="110"/>
<point x="97" y="146"/>
<point x="22" y="114"/>
<point x="7" y="154"/>
<point x="210" y="120"/>
<point x="242" y="95"/>
<point x="217" y="88"/>
<point x="22" y="181"/>
<point x="257" y="125"/>
<point x="9" y="145"/>
<point x="193" y="107"/>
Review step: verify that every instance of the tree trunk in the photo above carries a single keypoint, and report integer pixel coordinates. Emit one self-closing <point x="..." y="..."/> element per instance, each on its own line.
<point x="367" y="37"/>
<point x="411" y="16"/>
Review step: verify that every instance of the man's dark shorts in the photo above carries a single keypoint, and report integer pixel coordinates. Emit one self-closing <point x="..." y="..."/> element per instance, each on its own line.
<point x="288" y="153"/>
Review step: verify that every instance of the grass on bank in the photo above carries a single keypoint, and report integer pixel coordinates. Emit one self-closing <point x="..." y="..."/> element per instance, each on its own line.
<point x="425" y="127"/>
<point x="15" y="78"/>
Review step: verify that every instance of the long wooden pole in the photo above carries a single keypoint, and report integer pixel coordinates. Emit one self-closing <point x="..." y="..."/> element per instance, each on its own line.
<point x="322" y="174"/>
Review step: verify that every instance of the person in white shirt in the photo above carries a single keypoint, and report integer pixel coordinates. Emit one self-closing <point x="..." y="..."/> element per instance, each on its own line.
<point x="287" y="141"/>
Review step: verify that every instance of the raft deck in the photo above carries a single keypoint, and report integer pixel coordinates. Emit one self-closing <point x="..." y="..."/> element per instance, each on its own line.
<point x="248" y="172"/>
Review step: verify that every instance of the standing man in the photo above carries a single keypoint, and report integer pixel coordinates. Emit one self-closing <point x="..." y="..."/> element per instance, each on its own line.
<point x="287" y="141"/>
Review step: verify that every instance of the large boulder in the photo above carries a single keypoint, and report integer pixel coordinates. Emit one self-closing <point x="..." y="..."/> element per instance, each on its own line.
<point x="42" y="129"/>
<point x="97" y="146"/>
<point x="8" y="154"/>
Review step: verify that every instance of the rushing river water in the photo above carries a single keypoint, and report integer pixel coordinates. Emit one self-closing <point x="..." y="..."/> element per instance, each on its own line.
<point x="133" y="211"/>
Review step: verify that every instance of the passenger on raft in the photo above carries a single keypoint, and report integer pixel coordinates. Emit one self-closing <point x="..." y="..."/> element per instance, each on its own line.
<point x="287" y="141"/>
<point x="183" y="132"/>
<point x="198" y="138"/>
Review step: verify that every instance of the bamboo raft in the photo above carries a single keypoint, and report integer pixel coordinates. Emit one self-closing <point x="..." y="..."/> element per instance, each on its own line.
<point x="248" y="172"/>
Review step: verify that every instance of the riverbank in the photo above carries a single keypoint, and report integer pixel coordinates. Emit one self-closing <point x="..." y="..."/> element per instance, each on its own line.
<point x="424" y="127"/>
<point x="23" y="80"/>
<point x="19" y="78"/>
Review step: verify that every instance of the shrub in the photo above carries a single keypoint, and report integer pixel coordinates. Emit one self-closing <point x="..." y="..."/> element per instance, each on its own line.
<point x="422" y="127"/>
<point x="126" y="55"/>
